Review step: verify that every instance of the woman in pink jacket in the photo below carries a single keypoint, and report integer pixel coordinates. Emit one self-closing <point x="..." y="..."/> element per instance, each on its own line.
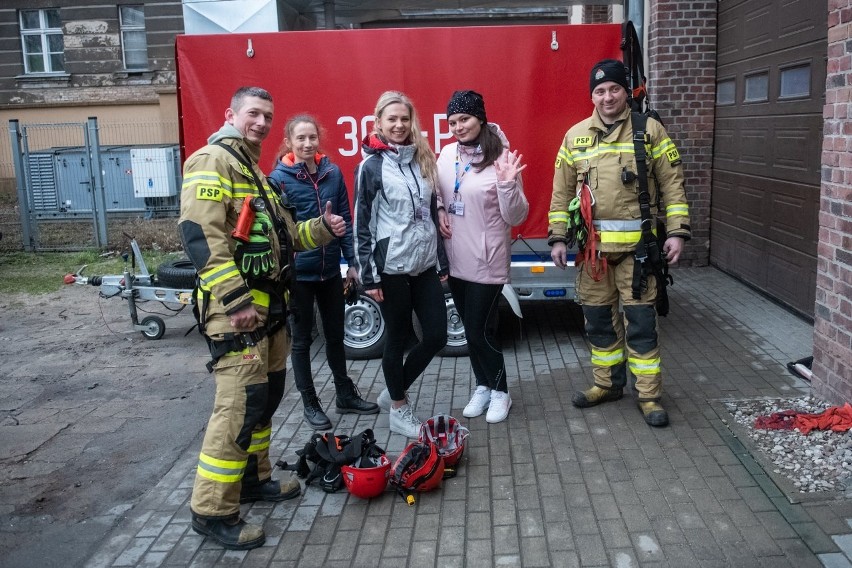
<point x="482" y="197"/>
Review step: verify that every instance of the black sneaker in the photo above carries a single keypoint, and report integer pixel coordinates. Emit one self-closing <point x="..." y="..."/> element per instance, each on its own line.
<point x="232" y="534"/>
<point x="349" y="401"/>
<point x="314" y="415"/>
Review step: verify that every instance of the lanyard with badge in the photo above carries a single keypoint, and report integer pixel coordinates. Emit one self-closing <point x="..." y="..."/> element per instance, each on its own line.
<point x="457" y="206"/>
<point x="421" y="210"/>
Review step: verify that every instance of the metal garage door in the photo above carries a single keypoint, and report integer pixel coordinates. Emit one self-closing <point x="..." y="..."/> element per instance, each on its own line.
<point x="768" y="140"/>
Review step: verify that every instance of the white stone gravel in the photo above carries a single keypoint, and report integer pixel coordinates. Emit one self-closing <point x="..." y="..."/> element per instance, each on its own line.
<point x="820" y="461"/>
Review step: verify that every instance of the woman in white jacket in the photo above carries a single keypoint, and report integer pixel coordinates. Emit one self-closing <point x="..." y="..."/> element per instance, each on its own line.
<point x="481" y="198"/>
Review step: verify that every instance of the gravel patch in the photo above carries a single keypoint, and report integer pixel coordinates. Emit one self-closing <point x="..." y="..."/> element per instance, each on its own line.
<point x="820" y="461"/>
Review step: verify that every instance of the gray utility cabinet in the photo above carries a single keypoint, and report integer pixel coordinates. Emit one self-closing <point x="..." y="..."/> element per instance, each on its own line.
<point x="136" y="179"/>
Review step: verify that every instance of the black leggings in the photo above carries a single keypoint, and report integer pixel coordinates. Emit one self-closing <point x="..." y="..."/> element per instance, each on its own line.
<point x="477" y="306"/>
<point x="423" y="294"/>
<point x="329" y="297"/>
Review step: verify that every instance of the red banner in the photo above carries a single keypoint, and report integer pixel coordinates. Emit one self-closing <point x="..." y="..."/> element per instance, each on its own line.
<point x="533" y="91"/>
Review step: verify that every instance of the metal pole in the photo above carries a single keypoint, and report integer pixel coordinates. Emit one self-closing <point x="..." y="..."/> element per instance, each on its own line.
<point x="329" y="14"/>
<point x="97" y="176"/>
<point x="20" y="180"/>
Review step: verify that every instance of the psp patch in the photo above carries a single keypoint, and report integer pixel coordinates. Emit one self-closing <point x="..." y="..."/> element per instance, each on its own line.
<point x="209" y="193"/>
<point x="674" y="156"/>
<point x="583" y="141"/>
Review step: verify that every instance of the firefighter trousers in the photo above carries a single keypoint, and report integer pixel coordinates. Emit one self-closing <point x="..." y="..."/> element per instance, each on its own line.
<point x="235" y="451"/>
<point x="611" y="334"/>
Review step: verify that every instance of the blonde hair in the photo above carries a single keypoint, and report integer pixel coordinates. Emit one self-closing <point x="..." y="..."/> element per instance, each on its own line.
<point x="423" y="153"/>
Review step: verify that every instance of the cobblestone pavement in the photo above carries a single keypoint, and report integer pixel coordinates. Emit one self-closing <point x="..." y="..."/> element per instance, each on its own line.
<point x="552" y="485"/>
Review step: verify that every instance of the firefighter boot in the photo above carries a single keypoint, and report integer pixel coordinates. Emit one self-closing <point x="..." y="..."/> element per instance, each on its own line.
<point x="233" y="533"/>
<point x="594" y="396"/>
<point x="349" y="400"/>
<point x="654" y="413"/>
<point x="271" y="490"/>
<point x="314" y="415"/>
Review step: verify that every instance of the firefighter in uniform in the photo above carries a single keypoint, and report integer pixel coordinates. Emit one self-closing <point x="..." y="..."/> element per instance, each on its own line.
<point x="241" y="305"/>
<point x="595" y="177"/>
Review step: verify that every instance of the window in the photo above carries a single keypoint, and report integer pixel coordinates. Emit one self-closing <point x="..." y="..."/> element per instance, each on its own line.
<point x="757" y="88"/>
<point x="134" y="44"/>
<point x="796" y="81"/>
<point x="41" y="37"/>
<point x="726" y="92"/>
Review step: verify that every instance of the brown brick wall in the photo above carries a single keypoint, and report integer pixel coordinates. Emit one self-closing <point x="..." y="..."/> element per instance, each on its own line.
<point x="682" y="84"/>
<point x="833" y="312"/>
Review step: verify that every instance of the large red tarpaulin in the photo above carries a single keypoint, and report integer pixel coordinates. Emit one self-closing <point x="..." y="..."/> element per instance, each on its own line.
<point x="535" y="93"/>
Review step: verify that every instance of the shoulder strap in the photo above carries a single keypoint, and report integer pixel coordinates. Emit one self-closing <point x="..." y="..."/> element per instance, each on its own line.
<point x="246" y="162"/>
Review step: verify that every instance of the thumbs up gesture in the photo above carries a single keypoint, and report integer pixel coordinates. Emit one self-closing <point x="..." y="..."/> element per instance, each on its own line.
<point x="335" y="223"/>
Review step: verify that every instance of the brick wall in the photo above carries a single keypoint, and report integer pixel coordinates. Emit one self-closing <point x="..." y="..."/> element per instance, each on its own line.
<point x="833" y="312"/>
<point x="682" y="84"/>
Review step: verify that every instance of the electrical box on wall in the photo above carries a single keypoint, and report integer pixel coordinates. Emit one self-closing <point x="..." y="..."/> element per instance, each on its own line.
<point x="153" y="172"/>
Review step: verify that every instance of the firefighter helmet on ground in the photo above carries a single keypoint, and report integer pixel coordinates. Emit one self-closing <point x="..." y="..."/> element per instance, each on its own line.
<point x="368" y="476"/>
<point x="418" y="468"/>
<point x="448" y="435"/>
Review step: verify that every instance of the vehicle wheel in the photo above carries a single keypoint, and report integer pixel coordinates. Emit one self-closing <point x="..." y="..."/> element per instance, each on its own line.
<point x="178" y="273"/>
<point x="363" y="329"/>
<point x="155" y="327"/>
<point x="456" y="340"/>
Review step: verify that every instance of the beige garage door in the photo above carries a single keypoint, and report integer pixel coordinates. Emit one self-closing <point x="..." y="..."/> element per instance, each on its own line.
<point x="768" y="139"/>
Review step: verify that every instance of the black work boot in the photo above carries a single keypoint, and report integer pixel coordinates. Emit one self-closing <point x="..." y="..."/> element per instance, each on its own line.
<point x="349" y="401"/>
<point x="594" y="396"/>
<point x="233" y="534"/>
<point x="271" y="490"/>
<point x="314" y="415"/>
<point x="654" y="413"/>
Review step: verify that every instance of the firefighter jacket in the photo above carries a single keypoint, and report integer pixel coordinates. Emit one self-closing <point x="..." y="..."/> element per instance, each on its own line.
<point x="396" y="215"/>
<point x="309" y="197"/>
<point x="215" y="185"/>
<point x="595" y="154"/>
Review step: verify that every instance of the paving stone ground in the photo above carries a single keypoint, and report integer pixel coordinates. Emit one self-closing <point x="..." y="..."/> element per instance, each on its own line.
<point x="552" y="485"/>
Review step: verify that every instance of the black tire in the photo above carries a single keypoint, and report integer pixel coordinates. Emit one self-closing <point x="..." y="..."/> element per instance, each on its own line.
<point x="364" y="332"/>
<point x="456" y="340"/>
<point x="156" y="327"/>
<point x="178" y="273"/>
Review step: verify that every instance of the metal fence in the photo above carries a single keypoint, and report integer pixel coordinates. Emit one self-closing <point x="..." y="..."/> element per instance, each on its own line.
<point x="71" y="182"/>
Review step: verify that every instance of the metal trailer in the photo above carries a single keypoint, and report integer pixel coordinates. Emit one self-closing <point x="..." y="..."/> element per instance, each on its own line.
<point x="139" y="285"/>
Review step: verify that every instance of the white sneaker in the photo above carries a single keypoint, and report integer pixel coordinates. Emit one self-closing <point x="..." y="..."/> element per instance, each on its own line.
<point x="403" y="421"/>
<point x="478" y="402"/>
<point x="384" y="400"/>
<point x="501" y="402"/>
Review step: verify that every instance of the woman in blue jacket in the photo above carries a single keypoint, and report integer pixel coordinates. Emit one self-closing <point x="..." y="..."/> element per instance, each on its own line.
<point x="309" y="180"/>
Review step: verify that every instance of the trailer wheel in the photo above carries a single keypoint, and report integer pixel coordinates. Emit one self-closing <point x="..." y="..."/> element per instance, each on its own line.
<point x="363" y="329"/>
<point x="154" y="327"/>
<point x="178" y="273"/>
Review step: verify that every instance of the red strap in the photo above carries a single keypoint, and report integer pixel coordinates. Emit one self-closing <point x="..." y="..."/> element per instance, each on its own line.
<point x="590" y="253"/>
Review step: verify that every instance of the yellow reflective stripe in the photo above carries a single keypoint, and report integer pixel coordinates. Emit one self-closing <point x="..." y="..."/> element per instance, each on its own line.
<point x="260" y="440"/>
<point x="565" y="154"/>
<point x="662" y="147"/>
<point x="305" y="235"/>
<point x="244" y="351"/>
<point x="260" y="298"/>
<point x="557" y="217"/>
<point x="604" y="148"/>
<point x="220" y="273"/>
<point x="607" y="358"/>
<point x="208" y="178"/>
<point x="677" y="209"/>
<point x="644" y="366"/>
<point x="224" y="471"/>
<point x="620" y="236"/>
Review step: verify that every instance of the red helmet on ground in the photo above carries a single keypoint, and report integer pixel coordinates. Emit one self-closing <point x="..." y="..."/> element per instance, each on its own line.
<point x="448" y="435"/>
<point x="367" y="477"/>
<point x="418" y="468"/>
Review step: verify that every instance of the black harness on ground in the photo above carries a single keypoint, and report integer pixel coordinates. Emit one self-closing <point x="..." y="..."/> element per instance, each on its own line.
<point x="649" y="256"/>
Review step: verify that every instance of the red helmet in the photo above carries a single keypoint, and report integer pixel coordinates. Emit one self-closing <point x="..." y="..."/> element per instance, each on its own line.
<point x="448" y="435"/>
<point x="418" y="468"/>
<point x="367" y="477"/>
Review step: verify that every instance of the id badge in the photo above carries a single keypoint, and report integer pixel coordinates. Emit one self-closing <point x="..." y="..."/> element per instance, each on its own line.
<point x="424" y="213"/>
<point x="457" y="208"/>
